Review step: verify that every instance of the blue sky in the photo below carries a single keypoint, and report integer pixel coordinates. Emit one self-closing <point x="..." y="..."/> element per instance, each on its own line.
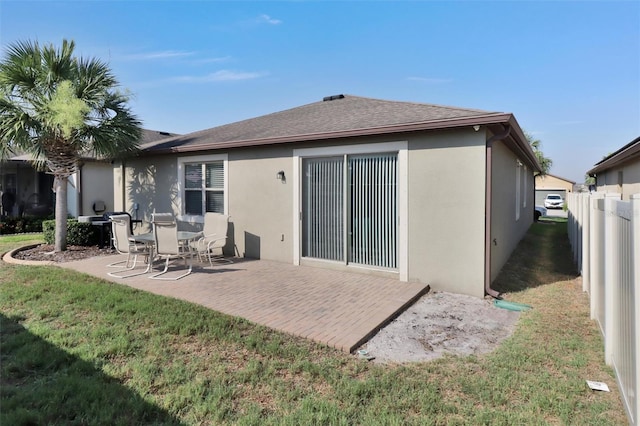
<point x="569" y="71"/>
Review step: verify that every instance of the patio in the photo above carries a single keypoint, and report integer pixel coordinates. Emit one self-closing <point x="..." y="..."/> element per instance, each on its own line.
<point x="339" y="309"/>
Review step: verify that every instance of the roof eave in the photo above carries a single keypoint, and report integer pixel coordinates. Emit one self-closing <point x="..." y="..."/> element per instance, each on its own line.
<point x="397" y="128"/>
<point x="521" y="144"/>
<point x="624" y="154"/>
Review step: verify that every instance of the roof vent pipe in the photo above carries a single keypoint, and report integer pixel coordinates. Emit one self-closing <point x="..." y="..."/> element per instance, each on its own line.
<point x="332" y="98"/>
<point x="487" y="218"/>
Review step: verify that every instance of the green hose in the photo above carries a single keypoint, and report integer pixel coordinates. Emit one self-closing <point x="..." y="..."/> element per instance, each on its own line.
<point x="512" y="306"/>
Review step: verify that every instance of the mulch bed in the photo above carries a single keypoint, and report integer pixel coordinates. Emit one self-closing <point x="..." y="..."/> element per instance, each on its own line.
<point x="45" y="252"/>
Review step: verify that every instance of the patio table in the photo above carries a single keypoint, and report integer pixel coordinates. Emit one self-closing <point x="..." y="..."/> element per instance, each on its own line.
<point x="148" y="239"/>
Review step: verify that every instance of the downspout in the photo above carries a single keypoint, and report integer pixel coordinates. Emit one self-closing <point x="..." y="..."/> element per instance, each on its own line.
<point x="79" y="199"/>
<point x="123" y="180"/>
<point x="487" y="215"/>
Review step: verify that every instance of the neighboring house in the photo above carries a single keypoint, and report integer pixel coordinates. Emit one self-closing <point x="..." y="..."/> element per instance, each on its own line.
<point x="89" y="190"/>
<point x="418" y="192"/>
<point x="551" y="184"/>
<point x="24" y="190"/>
<point x="619" y="172"/>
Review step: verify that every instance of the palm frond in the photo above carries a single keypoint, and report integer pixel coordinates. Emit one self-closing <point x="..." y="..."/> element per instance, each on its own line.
<point x="31" y="75"/>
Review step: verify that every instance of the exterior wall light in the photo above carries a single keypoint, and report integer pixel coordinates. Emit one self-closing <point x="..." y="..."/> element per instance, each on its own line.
<point x="280" y="175"/>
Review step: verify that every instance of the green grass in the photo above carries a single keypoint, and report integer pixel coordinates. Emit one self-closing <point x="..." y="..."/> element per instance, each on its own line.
<point x="79" y="350"/>
<point x="10" y="242"/>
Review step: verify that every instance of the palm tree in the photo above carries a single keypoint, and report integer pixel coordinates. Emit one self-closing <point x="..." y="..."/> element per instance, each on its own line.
<point x="536" y="145"/>
<point x="59" y="109"/>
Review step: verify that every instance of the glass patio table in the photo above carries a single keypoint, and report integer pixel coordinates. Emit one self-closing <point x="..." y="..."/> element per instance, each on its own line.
<point x="148" y="239"/>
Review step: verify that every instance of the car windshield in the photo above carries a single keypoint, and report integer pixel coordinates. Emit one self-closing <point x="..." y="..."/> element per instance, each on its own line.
<point x="554" y="197"/>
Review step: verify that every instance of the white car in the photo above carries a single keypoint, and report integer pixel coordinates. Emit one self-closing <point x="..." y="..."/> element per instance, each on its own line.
<point x="553" y="201"/>
<point x="538" y="212"/>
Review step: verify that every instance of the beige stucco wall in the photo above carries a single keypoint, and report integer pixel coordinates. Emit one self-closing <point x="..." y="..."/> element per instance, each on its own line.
<point x="446" y="211"/>
<point x="506" y="230"/>
<point x="445" y="214"/>
<point x="151" y="182"/>
<point x="553" y="182"/>
<point x="96" y="183"/>
<point x="260" y="205"/>
<point x="608" y="181"/>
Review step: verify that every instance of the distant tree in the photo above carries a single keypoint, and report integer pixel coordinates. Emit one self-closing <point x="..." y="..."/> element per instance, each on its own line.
<point x="589" y="180"/>
<point x="58" y="108"/>
<point x="536" y="145"/>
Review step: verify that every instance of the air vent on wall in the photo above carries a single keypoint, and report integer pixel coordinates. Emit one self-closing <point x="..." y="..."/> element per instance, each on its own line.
<point x="332" y="98"/>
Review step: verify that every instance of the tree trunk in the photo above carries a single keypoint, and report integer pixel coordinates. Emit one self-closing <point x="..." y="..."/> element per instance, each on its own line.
<point x="60" y="185"/>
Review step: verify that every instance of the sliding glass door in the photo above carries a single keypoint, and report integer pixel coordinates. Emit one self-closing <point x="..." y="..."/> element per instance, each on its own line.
<point x="349" y="209"/>
<point x="323" y="206"/>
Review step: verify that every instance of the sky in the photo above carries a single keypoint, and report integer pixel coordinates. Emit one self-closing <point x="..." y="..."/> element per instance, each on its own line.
<point x="568" y="70"/>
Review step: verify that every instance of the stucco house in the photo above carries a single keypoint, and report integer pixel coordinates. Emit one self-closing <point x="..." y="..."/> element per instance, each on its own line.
<point x="552" y="184"/>
<point x="418" y="192"/>
<point x="619" y="172"/>
<point x="89" y="190"/>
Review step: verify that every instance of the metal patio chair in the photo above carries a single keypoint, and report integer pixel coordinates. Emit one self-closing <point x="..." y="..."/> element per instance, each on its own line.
<point x="124" y="244"/>
<point x="213" y="240"/>
<point x="169" y="246"/>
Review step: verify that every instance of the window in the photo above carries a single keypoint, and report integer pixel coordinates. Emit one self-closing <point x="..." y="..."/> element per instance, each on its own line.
<point x="203" y="186"/>
<point x="620" y="181"/>
<point x="353" y="205"/>
<point x="524" y="189"/>
<point x="518" y="183"/>
<point x="350" y="209"/>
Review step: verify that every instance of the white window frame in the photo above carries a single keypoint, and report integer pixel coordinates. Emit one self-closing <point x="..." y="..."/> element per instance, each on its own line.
<point x="200" y="159"/>
<point x="401" y="147"/>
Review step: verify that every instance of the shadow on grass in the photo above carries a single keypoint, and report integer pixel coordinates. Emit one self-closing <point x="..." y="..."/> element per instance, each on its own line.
<point x="42" y="384"/>
<point x="542" y="257"/>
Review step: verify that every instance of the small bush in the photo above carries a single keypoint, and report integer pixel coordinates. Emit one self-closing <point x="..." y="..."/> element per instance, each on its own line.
<point x="20" y="225"/>
<point x="78" y="233"/>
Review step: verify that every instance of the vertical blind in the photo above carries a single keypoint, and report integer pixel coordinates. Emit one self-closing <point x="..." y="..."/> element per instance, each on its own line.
<point x="323" y="217"/>
<point x="367" y="199"/>
<point x="373" y="223"/>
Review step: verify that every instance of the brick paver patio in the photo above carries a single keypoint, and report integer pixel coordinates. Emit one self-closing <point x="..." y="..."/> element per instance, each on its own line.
<point x="340" y="309"/>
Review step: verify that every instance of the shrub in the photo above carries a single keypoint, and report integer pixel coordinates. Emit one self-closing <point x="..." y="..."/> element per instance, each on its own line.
<point x="78" y="233"/>
<point x="19" y="225"/>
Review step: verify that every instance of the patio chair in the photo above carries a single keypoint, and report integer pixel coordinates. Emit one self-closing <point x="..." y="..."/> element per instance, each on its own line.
<point x="124" y="244"/>
<point x="214" y="239"/>
<point x="168" y="246"/>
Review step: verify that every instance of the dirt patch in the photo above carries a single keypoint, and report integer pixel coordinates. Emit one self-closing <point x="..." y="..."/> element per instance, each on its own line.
<point x="441" y="323"/>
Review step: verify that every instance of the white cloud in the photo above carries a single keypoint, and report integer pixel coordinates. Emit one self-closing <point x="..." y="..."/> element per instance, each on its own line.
<point x="430" y="80"/>
<point x="222" y="75"/>
<point x="214" y="60"/>
<point x="269" y="20"/>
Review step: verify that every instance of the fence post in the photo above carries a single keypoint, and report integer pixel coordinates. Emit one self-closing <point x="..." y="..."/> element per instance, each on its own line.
<point x="635" y="256"/>
<point x="586" y="237"/>
<point x="595" y="262"/>
<point x="610" y="275"/>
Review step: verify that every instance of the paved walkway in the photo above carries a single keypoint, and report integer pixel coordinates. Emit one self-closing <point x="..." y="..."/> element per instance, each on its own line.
<point x="340" y="309"/>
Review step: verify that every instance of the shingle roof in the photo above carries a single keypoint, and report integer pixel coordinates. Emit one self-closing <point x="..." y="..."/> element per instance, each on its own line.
<point x="148" y="136"/>
<point x="154" y="135"/>
<point x="345" y="115"/>
<point x="627" y="153"/>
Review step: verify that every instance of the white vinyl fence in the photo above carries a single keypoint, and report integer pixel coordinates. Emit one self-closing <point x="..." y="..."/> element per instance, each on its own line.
<point x="605" y="237"/>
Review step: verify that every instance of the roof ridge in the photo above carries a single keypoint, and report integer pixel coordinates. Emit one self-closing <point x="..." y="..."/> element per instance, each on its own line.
<point x="450" y="107"/>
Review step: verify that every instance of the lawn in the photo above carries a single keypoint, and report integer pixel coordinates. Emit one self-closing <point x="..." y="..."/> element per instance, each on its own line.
<point x="80" y="350"/>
